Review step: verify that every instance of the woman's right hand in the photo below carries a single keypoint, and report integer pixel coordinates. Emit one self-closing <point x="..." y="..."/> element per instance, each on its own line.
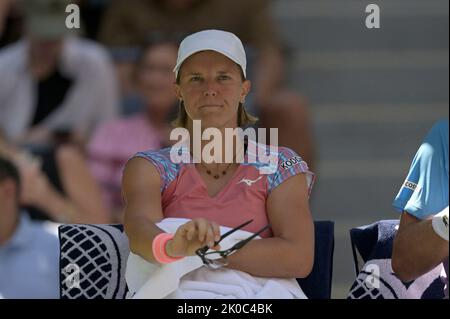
<point x="193" y="235"/>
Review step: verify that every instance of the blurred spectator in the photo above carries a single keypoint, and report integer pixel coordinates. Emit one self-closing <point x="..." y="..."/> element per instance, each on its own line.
<point x="116" y="141"/>
<point x="10" y="22"/>
<point x="29" y="250"/>
<point x="58" y="185"/>
<point x="129" y="23"/>
<point x="11" y="19"/>
<point x="91" y="14"/>
<point x="51" y="81"/>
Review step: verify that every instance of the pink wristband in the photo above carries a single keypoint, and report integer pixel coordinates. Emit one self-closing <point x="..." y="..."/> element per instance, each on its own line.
<point x="159" y="249"/>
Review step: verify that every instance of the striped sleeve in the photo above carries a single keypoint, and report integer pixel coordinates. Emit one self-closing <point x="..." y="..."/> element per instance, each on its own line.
<point x="289" y="164"/>
<point x="167" y="170"/>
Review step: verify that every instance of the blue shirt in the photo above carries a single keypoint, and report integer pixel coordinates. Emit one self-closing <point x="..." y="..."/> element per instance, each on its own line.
<point x="29" y="262"/>
<point x="425" y="190"/>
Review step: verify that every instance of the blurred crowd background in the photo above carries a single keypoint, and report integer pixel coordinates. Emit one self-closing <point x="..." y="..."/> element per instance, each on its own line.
<point x="354" y="102"/>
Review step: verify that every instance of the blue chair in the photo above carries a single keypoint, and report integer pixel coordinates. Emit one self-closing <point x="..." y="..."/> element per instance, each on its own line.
<point x="318" y="284"/>
<point x="93" y="260"/>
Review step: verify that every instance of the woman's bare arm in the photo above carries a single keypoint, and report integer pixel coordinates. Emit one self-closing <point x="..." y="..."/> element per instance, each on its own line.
<point x="290" y="253"/>
<point x="142" y="195"/>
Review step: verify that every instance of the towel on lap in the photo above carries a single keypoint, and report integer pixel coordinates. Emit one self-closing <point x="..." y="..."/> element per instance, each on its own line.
<point x="188" y="279"/>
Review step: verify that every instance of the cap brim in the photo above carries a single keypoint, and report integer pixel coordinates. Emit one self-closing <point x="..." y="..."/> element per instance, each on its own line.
<point x="210" y="48"/>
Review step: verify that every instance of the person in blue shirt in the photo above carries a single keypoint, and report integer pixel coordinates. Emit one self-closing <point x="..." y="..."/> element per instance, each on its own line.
<point x="29" y="250"/>
<point x="421" y="242"/>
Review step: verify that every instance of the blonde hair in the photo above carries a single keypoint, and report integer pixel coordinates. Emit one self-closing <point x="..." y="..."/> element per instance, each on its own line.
<point x="244" y="117"/>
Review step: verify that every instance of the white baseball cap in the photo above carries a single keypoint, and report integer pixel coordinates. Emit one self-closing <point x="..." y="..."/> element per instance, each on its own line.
<point x="223" y="42"/>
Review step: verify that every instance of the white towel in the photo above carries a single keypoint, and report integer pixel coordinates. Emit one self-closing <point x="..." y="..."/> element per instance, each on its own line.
<point x="188" y="279"/>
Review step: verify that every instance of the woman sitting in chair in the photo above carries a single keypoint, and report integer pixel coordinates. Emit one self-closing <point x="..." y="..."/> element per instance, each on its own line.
<point x="211" y="86"/>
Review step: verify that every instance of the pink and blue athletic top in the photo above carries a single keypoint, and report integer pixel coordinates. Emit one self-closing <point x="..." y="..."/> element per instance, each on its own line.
<point x="184" y="193"/>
